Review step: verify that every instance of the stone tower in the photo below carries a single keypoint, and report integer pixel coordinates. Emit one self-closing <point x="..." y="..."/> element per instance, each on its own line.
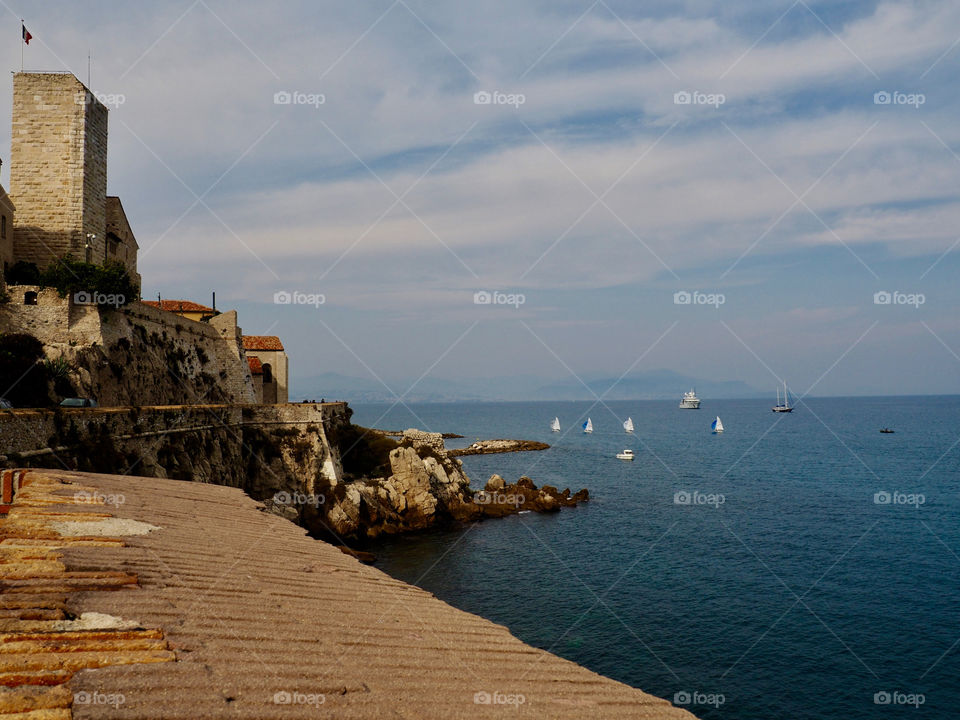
<point x="58" y="169"/>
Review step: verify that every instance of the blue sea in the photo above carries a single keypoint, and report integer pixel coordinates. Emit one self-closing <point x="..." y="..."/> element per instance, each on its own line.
<point x="799" y="565"/>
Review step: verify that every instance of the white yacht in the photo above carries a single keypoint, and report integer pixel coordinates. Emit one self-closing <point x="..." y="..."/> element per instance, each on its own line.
<point x="690" y="401"/>
<point x="625" y="455"/>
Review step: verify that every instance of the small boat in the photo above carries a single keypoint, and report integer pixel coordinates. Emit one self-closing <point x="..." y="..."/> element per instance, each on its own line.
<point x="690" y="401"/>
<point x="785" y="406"/>
<point x="555" y="425"/>
<point x="886" y="431"/>
<point x="588" y="426"/>
<point x="717" y="426"/>
<point x="625" y="455"/>
<point x="628" y="425"/>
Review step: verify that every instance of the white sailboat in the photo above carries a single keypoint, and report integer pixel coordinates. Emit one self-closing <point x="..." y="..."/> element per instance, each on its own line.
<point x="785" y="406"/>
<point x="628" y="425"/>
<point x="555" y="425"/>
<point x="588" y="426"/>
<point x="717" y="426"/>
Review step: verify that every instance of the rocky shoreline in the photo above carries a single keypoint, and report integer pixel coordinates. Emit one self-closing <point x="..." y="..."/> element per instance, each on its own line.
<point x="415" y="484"/>
<point x="491" y="447"/>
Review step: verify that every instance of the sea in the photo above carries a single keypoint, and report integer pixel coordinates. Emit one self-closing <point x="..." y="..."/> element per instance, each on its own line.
<point x="798" y="565"/>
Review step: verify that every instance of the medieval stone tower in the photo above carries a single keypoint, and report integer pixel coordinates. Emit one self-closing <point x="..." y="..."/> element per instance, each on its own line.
<point x="58" y="169"/>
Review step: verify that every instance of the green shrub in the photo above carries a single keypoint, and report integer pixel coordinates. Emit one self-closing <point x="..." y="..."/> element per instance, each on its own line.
<point x="22" y="273"/>
<point x="69" y="276"/>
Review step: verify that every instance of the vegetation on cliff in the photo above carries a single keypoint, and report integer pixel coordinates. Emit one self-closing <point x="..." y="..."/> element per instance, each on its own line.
<point x="68" y="275"/>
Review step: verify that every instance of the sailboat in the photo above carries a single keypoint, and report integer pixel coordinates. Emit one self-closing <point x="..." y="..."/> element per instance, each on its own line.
<point x="785" y="407"/>
<point x="628" y="425"/>
<point x="717" y="426"/>
<point x="555" y="425"/>
<point x="588" y="426"/>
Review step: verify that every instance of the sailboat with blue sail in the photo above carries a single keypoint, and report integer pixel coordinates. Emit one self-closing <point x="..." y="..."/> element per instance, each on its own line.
<point x="588" y="426"/>
<point x="717" y="426"/>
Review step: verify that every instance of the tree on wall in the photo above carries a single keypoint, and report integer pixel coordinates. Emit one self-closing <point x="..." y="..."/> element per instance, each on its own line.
<point x="69" y="276"/>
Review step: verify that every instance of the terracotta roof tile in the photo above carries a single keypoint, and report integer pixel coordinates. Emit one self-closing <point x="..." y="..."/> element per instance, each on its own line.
<point x="179" y="306"/>
<point x="256" y="367"/>
<point x="262" y="342"/>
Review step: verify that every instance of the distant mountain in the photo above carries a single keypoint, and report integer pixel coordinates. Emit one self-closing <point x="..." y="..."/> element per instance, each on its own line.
<point x="650" y="385"/>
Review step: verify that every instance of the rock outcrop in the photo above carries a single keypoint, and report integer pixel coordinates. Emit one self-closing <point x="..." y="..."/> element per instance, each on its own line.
<point x="490" y="447"/>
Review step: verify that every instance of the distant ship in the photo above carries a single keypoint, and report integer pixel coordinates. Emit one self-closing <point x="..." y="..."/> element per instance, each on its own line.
<point x="628" y="425"/>
<point x="690" y="401"/>
<point x="785" y="406"/>
<point x="555" y="425"/>
<point x="625" y="455"/>
<point x="588" y="426"/>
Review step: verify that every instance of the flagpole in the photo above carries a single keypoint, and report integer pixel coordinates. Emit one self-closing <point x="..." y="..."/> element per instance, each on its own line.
<point x="22" y="26"/>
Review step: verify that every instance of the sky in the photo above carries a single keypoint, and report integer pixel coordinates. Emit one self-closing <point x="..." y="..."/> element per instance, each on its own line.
<point x="586" y="167"/>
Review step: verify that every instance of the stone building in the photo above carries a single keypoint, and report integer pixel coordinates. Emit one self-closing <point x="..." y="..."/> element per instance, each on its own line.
<point x="274" y="363"/>
<point x="58" y="175"/>
<point x="184" y="308"/>
<point x="6" y="229"/>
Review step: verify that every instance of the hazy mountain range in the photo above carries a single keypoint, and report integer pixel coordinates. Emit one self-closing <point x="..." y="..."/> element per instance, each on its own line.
<point x="651" y="385"/>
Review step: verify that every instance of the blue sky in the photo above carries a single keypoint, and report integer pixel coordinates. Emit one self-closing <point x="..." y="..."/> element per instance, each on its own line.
<point x="796" y="198"/>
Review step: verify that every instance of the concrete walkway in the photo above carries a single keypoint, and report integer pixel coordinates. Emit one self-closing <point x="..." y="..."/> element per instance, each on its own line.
<point x="149" y="598"/>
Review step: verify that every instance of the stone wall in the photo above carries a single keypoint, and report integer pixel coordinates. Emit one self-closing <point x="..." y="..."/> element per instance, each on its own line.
<point x="137" y="354"/>
<point x="58" y="168"/>
<point x="6" y="229"/>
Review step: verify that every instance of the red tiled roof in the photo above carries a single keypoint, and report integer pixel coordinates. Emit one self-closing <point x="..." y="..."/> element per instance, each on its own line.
<point x="179" y="306"/>
<point x="262" y="342"/>
<point x="256" y="367"/>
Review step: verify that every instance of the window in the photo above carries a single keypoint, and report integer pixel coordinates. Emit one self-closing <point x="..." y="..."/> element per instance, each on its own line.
<point x="29" y="298"/>
<point x="3" y="226"/>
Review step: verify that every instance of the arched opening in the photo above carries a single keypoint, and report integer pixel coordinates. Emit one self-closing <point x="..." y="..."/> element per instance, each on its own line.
<point x="267" y="373"/>
<point x="30" y="298"/>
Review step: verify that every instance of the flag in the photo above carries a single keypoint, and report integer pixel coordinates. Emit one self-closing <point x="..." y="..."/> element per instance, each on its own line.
<point x="27" y="37"/>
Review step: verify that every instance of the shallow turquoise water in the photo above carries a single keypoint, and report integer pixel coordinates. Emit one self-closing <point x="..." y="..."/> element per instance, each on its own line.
<point x="798" y="596"/>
